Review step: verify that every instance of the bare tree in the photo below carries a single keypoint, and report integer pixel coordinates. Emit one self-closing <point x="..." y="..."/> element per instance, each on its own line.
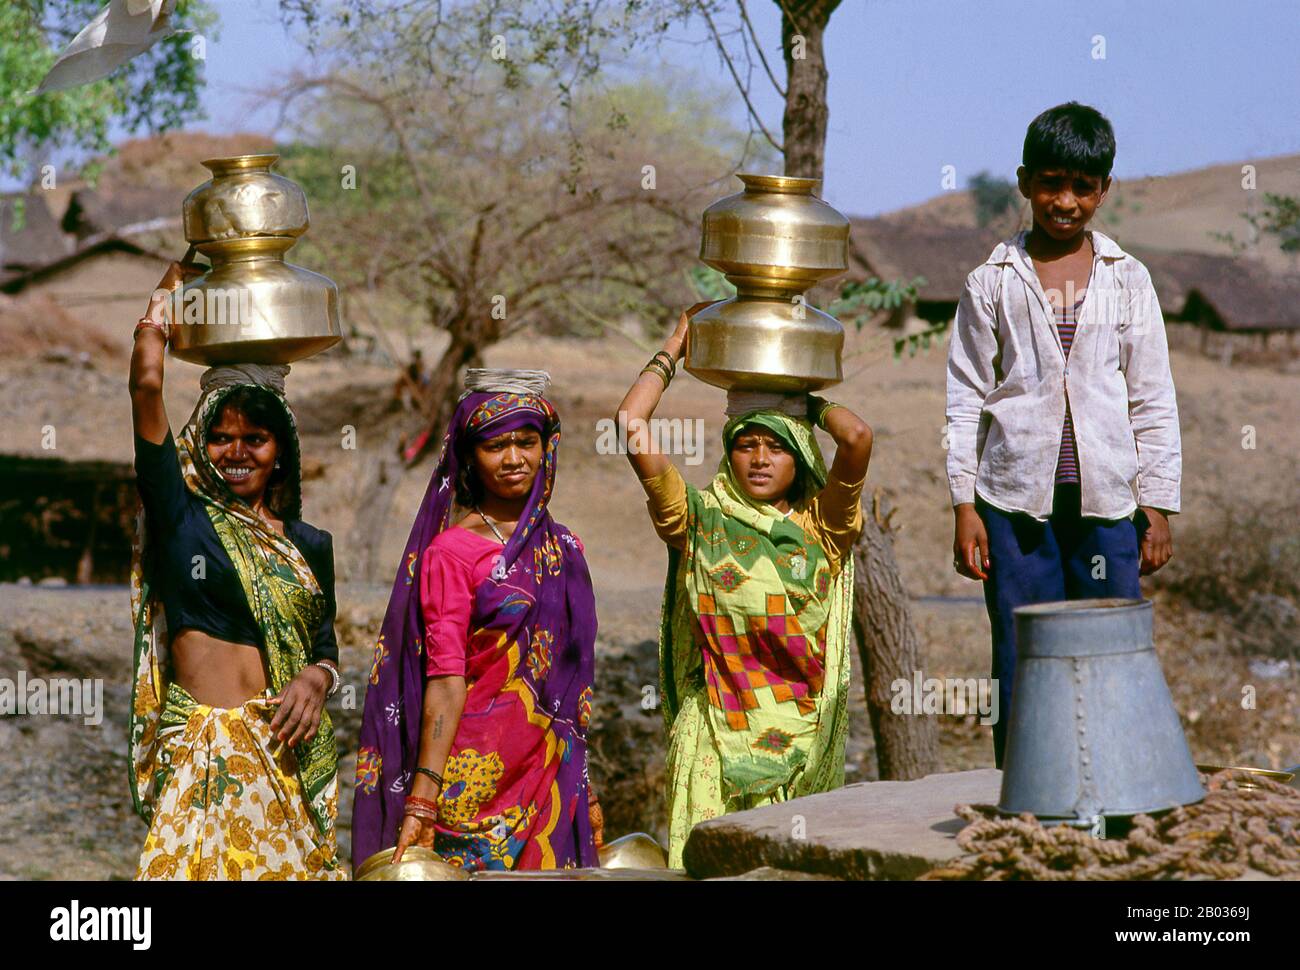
<point x="474" y="216"/>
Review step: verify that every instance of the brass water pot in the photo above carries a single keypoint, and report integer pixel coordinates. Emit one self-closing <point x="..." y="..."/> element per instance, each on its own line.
<point x="772" y="241"/>
<point x="252" y="306"/>
<point x="418" y="865"/>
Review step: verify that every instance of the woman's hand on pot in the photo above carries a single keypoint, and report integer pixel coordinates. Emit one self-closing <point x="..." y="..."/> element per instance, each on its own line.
<point x="416" y="830"/>
<point x="597" y="818"/>
<point x="676" y="343"/>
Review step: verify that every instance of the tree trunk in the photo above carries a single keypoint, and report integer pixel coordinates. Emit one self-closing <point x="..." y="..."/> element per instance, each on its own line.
<point x="374" y="497"/>
<point x="468" y="341"/>
<point x="806" y="112"/>
<point x="906" y="745"/>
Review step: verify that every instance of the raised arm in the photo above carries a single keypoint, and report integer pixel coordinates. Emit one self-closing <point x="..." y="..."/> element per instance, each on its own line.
<point x="148" y="415"/>
<point x="639" y="404"/>
<point x="852" y="437"/>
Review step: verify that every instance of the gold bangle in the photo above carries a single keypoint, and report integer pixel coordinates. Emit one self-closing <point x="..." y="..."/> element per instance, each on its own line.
<point x="658" y="372"/>
<point x="669" y="368"/>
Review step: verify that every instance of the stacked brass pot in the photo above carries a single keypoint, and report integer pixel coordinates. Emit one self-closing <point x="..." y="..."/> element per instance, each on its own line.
<point x="252" y="306"/>
<point x="773" y="241"/>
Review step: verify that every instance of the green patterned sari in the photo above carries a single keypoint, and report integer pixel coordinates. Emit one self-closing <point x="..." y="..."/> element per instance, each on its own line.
<point x="753" y="648"/>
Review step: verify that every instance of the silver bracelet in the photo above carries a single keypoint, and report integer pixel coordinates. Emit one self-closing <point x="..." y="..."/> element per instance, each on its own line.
<point x="335" y="680"/>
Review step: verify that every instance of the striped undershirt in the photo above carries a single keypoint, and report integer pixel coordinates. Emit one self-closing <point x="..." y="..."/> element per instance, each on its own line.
<point x="1067" y="463"/>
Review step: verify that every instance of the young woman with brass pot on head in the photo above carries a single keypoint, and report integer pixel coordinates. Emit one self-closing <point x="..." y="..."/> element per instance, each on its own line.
<point x="753" y="647"/>
<point x="234" y="763"/>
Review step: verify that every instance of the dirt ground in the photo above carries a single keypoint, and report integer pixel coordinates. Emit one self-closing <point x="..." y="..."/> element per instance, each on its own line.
<point x="64" y="805"/>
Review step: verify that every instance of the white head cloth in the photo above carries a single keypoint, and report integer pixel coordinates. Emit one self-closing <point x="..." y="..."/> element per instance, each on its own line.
<point x="500" y="380"/>
<point x="119" y="32"/>
<point x="270" y="376"/>
<point x="742" y="402"/>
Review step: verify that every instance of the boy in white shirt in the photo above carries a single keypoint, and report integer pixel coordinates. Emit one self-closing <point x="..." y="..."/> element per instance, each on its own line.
<point x="1064" y="457"/>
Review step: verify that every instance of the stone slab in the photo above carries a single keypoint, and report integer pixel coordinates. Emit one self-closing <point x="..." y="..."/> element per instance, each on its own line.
<point x="871" y="830"/>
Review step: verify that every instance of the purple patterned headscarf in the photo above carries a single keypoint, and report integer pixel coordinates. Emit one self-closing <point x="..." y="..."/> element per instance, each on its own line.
<point x="537" y="614"/>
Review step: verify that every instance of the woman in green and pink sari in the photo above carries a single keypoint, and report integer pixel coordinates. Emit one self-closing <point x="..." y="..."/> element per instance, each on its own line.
<point x="754" y="662"/>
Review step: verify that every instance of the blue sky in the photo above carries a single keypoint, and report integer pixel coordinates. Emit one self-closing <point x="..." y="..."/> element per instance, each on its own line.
<point x="919" y="84"/>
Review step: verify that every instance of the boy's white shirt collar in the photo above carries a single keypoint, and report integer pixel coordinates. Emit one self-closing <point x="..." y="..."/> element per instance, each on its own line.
<point x="1013" y="250"/>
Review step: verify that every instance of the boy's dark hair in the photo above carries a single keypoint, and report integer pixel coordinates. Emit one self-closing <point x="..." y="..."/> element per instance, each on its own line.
<point x="260" y="408"/>
<point x="1072" y="136"/>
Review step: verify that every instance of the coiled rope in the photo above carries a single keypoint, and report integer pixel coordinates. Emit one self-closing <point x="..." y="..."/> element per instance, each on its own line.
<point x="1233" y="829"/>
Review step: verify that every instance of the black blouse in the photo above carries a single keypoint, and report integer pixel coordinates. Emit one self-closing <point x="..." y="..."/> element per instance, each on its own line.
<point x="206" y="594"/>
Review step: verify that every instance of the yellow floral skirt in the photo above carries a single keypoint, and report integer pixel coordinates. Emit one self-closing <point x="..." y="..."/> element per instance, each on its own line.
<point x="229" y="804"/>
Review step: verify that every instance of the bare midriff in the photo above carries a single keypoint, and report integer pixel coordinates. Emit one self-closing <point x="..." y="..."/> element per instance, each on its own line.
<point x="217" y="672"/>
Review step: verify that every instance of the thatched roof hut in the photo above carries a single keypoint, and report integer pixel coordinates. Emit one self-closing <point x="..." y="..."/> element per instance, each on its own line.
<point x="29" y="233"/>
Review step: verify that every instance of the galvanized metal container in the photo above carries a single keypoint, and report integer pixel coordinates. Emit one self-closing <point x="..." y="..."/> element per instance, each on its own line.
<point x="1093" y="729"/>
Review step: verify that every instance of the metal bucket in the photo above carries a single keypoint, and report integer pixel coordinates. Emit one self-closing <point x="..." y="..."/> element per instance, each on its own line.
<point x="1093" y="729"/>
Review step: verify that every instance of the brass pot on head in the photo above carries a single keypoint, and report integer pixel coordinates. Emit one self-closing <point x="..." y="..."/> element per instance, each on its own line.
<point x="251" y="307"/>
<point x="772" y="241"/>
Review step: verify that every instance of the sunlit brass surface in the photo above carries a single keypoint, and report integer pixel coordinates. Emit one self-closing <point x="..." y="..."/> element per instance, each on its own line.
<point x="418" y="865"/>
<point x="252" y="306"/>
<point x="772" y="241"/>
<point x="581" y="875"/>
<point x="635" y="851"/>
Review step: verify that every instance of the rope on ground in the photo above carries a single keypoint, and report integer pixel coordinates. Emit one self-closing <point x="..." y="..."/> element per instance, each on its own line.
<point x="1233" y="829"/>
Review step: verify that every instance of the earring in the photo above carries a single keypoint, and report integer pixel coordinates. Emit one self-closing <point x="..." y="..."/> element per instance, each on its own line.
<point x="277" y="463"/>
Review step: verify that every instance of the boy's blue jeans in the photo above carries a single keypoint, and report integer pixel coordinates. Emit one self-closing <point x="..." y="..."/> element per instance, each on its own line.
<point x="1044" y="562"/>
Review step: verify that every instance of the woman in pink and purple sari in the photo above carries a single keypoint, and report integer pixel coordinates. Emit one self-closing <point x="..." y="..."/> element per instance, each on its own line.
<point x="473" y="738"/>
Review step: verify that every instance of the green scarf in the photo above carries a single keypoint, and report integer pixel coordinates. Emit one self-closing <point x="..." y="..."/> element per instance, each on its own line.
<point x="285" y="598"/>
<point x="754" y="617"/>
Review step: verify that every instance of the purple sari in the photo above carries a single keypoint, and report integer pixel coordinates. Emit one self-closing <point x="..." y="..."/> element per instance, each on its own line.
<point x="516" y="785"/>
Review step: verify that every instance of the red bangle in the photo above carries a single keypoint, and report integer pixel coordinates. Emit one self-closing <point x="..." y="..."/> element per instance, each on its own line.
<point x="145" y="323"/>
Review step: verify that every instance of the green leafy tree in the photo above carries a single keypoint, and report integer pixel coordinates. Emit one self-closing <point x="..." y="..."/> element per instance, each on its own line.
<point x="1280" y="218"/>
<point x="155" y="91"/>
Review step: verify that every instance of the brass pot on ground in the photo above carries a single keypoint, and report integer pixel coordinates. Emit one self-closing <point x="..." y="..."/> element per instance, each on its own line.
<point x="635" y="851"/>
<point x="252" y="306"/>
<point x="773" y="241"/>
<point x="418" y="865"/>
